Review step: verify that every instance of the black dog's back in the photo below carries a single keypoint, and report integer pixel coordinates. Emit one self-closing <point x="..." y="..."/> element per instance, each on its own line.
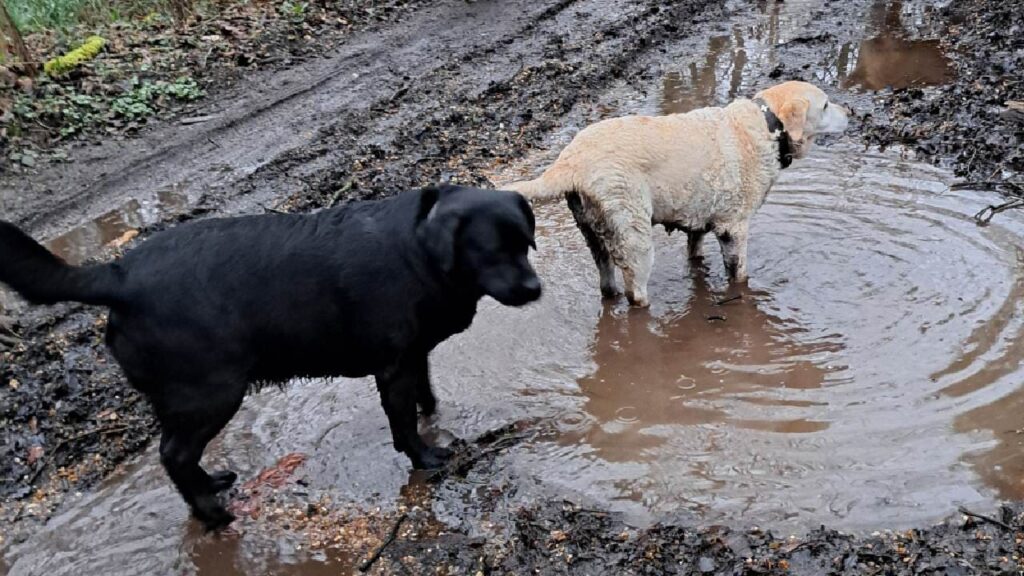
<point x="275" y="295"/>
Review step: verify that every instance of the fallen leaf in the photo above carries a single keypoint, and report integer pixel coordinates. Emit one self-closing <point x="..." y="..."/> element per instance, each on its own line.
<point x="123" y="238"/>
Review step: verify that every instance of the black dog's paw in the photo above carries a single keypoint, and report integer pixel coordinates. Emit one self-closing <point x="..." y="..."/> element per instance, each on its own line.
<point x="432" y="458"/>
<point x="210" y="512"/>
<point x="222" y="480"/>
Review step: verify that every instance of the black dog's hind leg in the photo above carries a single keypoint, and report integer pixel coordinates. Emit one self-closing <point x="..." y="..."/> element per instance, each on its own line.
<point x="221" y="480"/>
<point x="185" y="435"/>
<point x="399" y="392"/>
<point x="424" y="394"/>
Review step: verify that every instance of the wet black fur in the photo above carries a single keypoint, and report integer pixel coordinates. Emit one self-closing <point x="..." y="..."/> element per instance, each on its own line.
<point x="200" y="312"/>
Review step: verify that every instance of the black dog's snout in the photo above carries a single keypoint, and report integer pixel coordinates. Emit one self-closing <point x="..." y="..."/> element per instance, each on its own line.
<point x="531" y="288"/>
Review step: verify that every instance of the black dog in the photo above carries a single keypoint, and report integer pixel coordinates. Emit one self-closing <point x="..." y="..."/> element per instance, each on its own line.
<point x="200" y="312"/>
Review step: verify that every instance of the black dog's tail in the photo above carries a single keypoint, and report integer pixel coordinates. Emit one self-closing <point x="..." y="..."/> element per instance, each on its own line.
<point x="42" y="278"/>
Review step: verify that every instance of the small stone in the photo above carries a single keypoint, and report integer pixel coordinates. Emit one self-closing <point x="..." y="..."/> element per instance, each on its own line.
<point x="706" y="564"/>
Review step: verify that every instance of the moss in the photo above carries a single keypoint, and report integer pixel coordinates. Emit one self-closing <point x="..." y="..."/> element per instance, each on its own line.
<point x="83" y="53"/>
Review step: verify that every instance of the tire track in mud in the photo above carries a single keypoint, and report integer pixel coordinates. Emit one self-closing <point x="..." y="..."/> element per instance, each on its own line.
<point x="262" y="118"/>
<point x="470" y="132"/>
<point x="470" y="107"/>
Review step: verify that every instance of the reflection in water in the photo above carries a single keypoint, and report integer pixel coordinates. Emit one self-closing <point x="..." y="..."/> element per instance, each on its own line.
<point x="992" y="351"/>
<point x="719" y="77"/>
<point x="87" y="240"/>
<point x="675" y="370"/>
<point x="885" y="58"/>
<point x="890" y="60"/>
<point x="227" y="553"/>
<point x="1002" y="466"/>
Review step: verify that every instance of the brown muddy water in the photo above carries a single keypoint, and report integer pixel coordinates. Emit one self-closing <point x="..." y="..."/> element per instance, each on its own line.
<point x="887" y="56"/>
<point x="870" y="376"/>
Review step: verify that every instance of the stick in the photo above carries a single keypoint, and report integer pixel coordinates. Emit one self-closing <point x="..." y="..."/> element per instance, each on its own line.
<point x="988" y="519"/>
<point x="199" y="119"/>
<point x="391" y="538"/>
<point x="727" y="300"/>
<point x="985" y="215"/>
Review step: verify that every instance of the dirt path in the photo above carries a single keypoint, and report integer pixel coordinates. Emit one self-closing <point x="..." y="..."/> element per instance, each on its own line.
<point x="270" y="120"/>
<point x="458" y="90"/>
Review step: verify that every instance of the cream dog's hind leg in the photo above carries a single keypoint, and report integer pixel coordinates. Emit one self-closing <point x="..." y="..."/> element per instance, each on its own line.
<point x="633" y="248"/>
<point x="588" y="224"/>
<point x="733" y="239"/>
<point x="695" y="244"/>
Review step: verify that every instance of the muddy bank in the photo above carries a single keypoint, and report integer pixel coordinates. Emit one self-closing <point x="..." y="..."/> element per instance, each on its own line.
<point x="974" y="123"/>
<point x="564" y="538"/>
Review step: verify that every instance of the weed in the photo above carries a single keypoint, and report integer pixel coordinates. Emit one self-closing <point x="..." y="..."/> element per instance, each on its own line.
<point x="70" y="112"/>
<point x="294" y="10"/>
<point x="144" y="97"/>
<point x="32" y="15"/>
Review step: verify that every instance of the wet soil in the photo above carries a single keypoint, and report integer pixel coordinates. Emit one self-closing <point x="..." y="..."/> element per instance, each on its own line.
<point x="976" y="124"/>
<point x="789" y="407"/>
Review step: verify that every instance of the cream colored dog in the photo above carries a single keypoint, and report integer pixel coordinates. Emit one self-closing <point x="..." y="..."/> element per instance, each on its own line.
<point x="707" y="170"/>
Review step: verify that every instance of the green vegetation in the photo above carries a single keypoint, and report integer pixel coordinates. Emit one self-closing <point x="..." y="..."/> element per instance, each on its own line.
<point x="33" y="15"/>
<point x="74" y="112"/>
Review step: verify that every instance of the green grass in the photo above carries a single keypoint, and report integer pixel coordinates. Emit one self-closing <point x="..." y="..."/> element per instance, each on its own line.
<point x="31" y="15"/>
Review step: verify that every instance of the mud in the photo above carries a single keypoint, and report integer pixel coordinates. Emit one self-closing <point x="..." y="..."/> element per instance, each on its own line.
<point x="789" y="407"/>
<point x="969" y="124"/>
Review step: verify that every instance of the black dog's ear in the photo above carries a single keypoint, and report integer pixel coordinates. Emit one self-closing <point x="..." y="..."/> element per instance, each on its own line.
<point x="428" y="198"/>
<point x="437" y="229"/>
<point x="527" y="211"/>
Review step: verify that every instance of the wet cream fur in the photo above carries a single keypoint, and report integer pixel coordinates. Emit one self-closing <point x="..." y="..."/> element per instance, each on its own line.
<point x="706" y="170"/>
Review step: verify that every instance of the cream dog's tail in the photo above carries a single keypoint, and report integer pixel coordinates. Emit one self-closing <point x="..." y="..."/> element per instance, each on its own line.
<point x="553" y="183"/>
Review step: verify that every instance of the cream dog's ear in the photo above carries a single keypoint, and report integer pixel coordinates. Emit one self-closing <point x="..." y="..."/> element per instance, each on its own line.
<point x="793" y="114"/>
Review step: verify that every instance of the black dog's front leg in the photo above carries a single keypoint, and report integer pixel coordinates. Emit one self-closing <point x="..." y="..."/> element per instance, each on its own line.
<point x="399" y="392"/>
<point x="424" y="394"/>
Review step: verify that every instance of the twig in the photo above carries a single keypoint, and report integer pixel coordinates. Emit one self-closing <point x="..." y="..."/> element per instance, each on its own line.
<point x="727" y="300"/>
<point x="198" y="119"/>
<point x="796" y="547"/>
<point x="988" y="184"/>
<point x="329" y="429"/>
<point x="985" y="215"/>
<point x="391" y="538"/>
<point x="988" y="519"/>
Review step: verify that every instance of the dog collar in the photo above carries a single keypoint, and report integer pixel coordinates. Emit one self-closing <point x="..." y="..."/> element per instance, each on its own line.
<point x="777" y="129"/>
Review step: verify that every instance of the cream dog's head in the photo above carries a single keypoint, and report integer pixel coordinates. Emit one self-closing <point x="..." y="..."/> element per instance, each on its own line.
<point x="805" y="111"/>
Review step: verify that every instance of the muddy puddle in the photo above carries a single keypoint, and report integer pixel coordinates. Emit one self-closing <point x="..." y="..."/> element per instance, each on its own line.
<point x="115" y="226"/>
<point x="868" y="377"/>
<point x="886" y="54"/>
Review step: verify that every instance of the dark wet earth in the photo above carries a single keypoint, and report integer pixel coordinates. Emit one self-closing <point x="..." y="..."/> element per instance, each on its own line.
<point x="868" y="378"/>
